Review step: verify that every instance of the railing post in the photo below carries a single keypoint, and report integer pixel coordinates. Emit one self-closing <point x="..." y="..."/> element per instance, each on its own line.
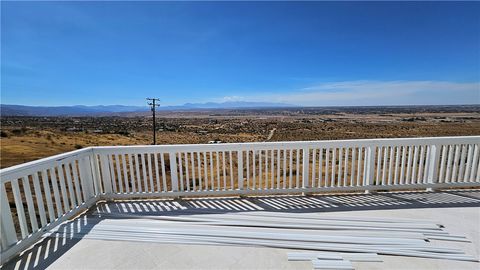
<point x="240" y="169"/>
<point x="173" y="170"/>
<point x="306" y="164"/>
<point x="433" y="165"/>
<point x="370" y="168"/>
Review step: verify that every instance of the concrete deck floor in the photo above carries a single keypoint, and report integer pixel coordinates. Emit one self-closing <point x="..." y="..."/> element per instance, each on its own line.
<point x="458" y="211"/>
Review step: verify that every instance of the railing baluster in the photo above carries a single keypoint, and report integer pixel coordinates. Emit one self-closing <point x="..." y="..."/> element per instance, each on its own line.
<point x="345" y="175"/>
<point x="157" y="172"/>
<point x="320" y="167"/>
<point x="30" y="205"/>
<point x="164" y="174"/>
<point x="93" y="163"/>
<point x="205" y="170"/>
<point x="402" y="166"/>
<point x="463" y="155"/>
<point x="414" y="167"/>
<point x="9" y="235"/>
<point x="144" y="172"/>
<point x="397" y="164"/>
<point x="39" y="196"/>
<point x="187" y="173"/>
<point x="217" y="163"/>
<point x="232" y="186"/>
<point x="137" y="173"/>
<point x="132" y="173"/>
<point x="314" y="165"/>
<point x="119" y="173"/>
<point x="272" y="169"/>
<point x="63" y="189"/>
<point x="278" y="169"/>
<point x="260" y="174"/>
<point x="455" y="164"/>
<point x="290" y="166"/>
<point x="409" y="165"/>
<point x="71" y="194"/>
<point x="334" y="166"/>
<point x="352" y="173"/>
<point x="390" y="165"/>
<point x="20" y="210"/>
<point x="384" y="165"/>
<point x="180" y="167"/>
<point x="297" y="180"/>
<point x="194" y="180"/>
<point x="466" y="176"/>
<point x="111" y="168"/>
<point x="266" y="169"/>
<point x="365" y="166"/>
<point x="199" y="168"/>
<point x="327" y="165"/>
<point x="449" y="165"/>
<point x="248" y="169"/>
<point x="224" y="171"/>
<point x="475" y="163"/>
<point x="359" y="166"/>
<point x="75" y="182"/>
<point x="340" y="169"/>
<point x="48" y="196"/>
<point x="124" y="173"/>
<point x="212" y="187"/>
<point x="150" y="172"/>
<point x="56" y="193"/>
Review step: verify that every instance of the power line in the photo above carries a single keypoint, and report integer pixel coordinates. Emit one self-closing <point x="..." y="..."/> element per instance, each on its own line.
<point x="153" y="104"/>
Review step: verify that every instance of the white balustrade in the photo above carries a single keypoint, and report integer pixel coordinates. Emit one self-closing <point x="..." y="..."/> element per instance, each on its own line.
<point x="39" y="195"/>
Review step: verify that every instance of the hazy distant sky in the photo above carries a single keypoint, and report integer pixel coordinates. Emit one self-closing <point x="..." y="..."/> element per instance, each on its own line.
<point x="305" y="53"/>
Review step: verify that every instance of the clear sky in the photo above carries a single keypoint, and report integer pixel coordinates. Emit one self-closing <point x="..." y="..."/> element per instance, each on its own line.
<point x="304" y="53"/>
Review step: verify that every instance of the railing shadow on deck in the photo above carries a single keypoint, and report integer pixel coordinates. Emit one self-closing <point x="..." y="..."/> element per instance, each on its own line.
<point x="290" y="203"/>
<point x="48" y="250"/>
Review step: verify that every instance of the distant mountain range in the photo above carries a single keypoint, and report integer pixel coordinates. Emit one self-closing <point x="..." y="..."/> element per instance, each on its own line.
<point x="104" y="110"/>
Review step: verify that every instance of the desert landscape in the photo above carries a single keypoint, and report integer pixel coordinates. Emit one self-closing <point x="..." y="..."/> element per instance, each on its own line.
<point x="25" y="138"/>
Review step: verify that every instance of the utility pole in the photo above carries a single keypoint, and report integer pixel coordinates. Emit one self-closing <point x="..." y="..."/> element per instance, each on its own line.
<point x="153" y="104"/>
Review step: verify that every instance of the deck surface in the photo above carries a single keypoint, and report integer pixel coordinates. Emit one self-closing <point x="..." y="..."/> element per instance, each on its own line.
<point x="458" y="211"/>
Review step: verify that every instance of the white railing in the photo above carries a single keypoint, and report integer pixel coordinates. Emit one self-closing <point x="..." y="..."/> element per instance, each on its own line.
<point x="67" y="184"/>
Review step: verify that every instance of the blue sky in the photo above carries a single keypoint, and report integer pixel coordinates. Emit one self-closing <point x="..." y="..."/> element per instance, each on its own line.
<point x="304" y="53"/>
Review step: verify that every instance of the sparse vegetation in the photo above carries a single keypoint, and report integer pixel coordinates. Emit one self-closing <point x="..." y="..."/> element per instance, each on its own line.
<point x="78" y="146"/>
<point x="30" y="138"/>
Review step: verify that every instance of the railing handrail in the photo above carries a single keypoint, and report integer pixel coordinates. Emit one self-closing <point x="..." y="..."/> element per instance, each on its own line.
<point x="243" y="145"/>
<point x="9" y="171"/>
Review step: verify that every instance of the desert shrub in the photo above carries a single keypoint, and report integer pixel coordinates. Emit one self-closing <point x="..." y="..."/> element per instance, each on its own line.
<point x="78" y="146"/>
<point x="123" y="133"/>
<point x="3" y="134"/>
<point x="19" y="131"/>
